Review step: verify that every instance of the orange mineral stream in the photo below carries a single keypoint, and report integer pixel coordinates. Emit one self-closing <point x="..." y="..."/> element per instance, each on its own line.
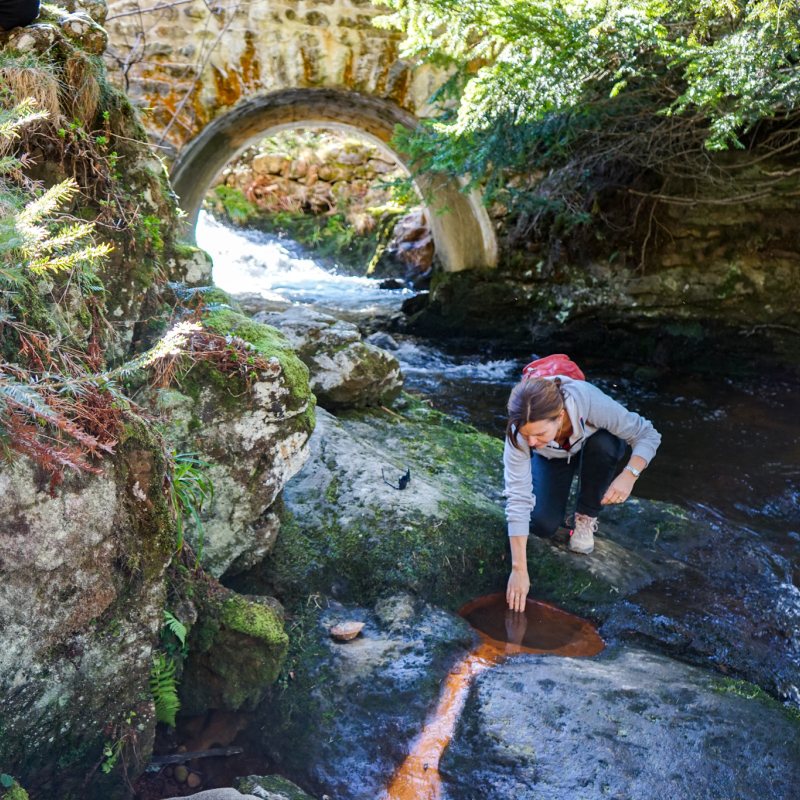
<point x="541" y="628"/>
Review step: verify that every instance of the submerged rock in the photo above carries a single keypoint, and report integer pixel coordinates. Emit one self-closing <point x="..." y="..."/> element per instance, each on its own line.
<point x="633" y="724"/>
<point x="344" y="371"/>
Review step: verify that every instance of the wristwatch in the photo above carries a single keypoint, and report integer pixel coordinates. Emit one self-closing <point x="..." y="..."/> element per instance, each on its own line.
<point x="635" y="471"/>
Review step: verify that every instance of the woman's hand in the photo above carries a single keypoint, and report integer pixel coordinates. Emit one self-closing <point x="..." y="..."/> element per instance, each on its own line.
<point x="518" y="586"/>
<point x="620" y="489"/>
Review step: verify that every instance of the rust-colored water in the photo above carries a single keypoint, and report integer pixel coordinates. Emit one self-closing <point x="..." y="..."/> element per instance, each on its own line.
<point x="541" y="628"/>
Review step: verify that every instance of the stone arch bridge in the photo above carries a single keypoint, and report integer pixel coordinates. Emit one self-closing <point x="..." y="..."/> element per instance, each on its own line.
<point x="217" y="78"/>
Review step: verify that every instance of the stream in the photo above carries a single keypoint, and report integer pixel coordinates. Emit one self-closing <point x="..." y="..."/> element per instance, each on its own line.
<point x="730" y="457"/>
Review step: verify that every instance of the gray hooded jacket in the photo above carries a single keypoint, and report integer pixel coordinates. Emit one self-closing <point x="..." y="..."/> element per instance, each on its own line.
<point x="589" y="410"/>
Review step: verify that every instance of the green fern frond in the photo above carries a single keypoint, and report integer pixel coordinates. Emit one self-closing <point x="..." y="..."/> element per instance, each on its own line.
<point x="164" y="689"/>
<point x="176" y="626"/>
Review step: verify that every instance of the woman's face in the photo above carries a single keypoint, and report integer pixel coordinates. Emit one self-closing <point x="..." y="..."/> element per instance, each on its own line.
<point x="541" y="432"/>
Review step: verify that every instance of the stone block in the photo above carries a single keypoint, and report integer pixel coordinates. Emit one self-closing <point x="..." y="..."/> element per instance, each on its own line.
<point x="269" y="163"/>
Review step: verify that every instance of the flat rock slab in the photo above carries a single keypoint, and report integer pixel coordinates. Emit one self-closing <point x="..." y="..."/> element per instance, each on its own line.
<point x="627" y="725"/>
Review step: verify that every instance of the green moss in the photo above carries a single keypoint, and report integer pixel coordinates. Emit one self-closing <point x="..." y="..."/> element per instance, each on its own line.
<point x="237" y="207"/>
<point x="749" y="691"/>
<point x="274" y="785"/>
<point x="184" y="249"/>
<point x="16" y="792"/>
<point x="258" y="621"/>
<point x="270" y="342"/>
<point x="152" y="227"/>
<point x="156" y="528"/>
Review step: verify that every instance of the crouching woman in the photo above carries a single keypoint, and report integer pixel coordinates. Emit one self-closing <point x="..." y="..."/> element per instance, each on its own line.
<point x="557" y="426"/>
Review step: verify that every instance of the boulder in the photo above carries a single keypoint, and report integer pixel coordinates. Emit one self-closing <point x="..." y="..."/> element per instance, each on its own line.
<point x="383" y="340"/>
<point x="82" y="29"/>
<point x="81" y="596"/>
<point x="31" y="39"/>
<point x="345" y="372"/>
<point x="659" y="574"/>
<point x="96" y="9"/>
<point x="347" y="532"/>
<point x="627" y="724"/>
<point x="236" y="650"/>
<point x="253" y="436"/>
<point x="380" y="167"/>
<point x="269" y="163"/>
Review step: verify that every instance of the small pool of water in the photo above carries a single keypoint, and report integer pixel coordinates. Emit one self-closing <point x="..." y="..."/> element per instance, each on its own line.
<point x="540" y="628"/>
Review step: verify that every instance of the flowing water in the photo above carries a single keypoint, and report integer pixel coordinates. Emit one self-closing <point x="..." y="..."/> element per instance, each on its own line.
<point x="730" y="455"/>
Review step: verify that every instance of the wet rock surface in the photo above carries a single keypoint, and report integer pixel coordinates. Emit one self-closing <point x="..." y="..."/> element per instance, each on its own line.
<point x="627" y="724"/>
<point x="345" y="372"/>
<point x="352" y="707"/>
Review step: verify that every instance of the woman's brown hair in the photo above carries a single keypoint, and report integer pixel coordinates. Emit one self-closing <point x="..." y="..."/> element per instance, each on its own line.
<point x="533" y="400"/>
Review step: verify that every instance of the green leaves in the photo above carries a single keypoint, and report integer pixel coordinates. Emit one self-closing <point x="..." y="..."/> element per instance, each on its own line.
<point x="176" y="626"/>
<point x="593" y="94"/>
<point x="164" y="689"/>
<point x="6" y="781"/>
<point x="189" y="489"/>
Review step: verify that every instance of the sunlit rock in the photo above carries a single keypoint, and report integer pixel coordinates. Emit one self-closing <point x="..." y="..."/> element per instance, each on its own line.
<point x="253" y="435"/>
<point x="345" y="372"/>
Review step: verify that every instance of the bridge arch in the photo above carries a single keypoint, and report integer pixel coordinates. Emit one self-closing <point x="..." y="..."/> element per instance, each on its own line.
<point x="461" y="228"/>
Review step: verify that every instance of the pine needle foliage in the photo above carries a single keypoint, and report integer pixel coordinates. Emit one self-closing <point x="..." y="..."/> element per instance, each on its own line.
<point x="164" y="688"/>
<point x="581" y="97"/>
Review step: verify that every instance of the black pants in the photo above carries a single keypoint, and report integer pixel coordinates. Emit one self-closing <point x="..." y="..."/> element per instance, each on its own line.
<point x="552" y="479"/>
<point x="15" y="13"/>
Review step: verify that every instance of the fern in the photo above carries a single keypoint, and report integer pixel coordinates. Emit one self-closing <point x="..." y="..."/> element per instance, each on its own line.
<point x="164" y="689"/>
<point x="176" y="626"/>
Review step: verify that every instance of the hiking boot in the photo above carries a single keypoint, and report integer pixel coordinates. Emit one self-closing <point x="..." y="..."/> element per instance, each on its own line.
<point x="581" y="537"/>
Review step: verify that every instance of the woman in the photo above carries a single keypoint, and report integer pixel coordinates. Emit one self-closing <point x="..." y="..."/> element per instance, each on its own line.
<point x="16" y="13"/>
<point x="555" y="425"/>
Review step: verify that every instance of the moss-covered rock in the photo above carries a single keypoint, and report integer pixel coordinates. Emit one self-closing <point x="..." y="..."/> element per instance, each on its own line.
<point x="345" y="531"/>
<point x="252" y="434"/>
<point x="236" y="650"/>
<point x="344" y="371"/>
<point x="81" y="592"/>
